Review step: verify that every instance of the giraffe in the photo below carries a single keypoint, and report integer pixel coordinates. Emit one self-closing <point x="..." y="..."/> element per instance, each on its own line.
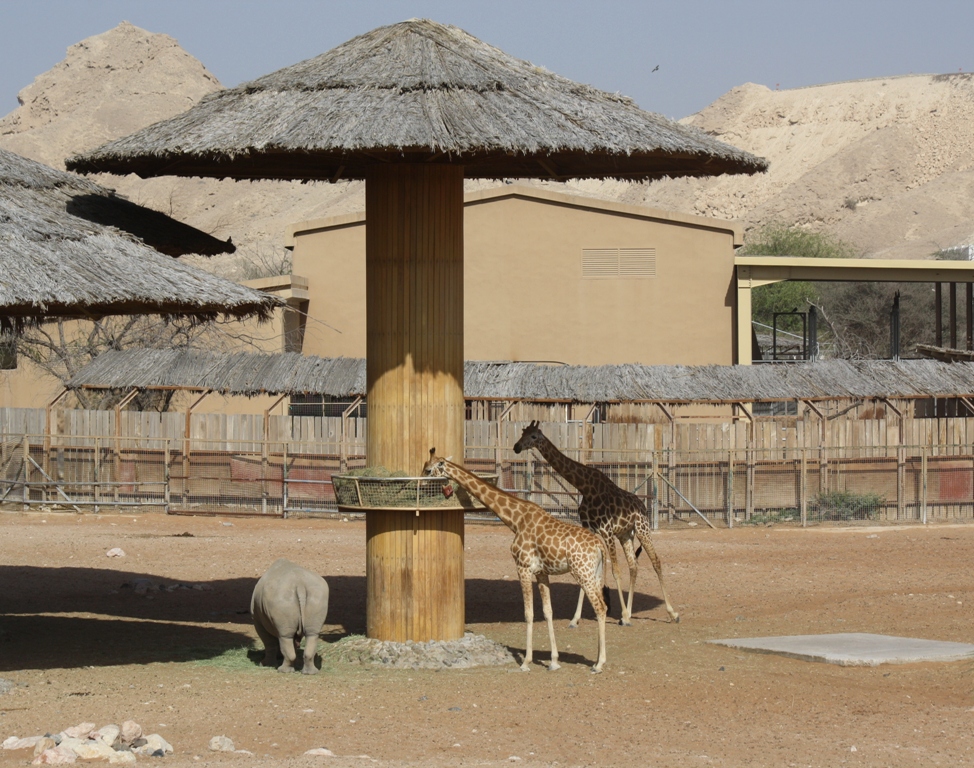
<point x="606" y="509"/>
<point x="543" y="546"/>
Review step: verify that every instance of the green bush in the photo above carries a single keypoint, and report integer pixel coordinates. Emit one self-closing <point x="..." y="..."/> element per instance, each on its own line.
<point x="772" y="516"/>
<point x="846" y="505"/>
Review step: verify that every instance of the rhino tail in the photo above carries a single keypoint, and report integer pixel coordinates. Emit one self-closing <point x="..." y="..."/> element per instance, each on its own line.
<point x="303" y="609"/>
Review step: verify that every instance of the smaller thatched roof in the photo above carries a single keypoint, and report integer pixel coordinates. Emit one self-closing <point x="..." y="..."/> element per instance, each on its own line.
<point x="70" y="248"/>
<point x="253" y="374"/>
<point x="417" y="91"/>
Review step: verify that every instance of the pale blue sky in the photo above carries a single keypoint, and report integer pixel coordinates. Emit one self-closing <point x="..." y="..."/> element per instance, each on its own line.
<point x="703" y="48"/>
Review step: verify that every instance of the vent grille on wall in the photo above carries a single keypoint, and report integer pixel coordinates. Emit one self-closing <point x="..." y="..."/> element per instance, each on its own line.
<point x="618" y="262"/>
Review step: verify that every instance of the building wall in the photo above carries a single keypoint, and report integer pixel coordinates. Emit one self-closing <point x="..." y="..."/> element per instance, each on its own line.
<point x="526" y="297"/>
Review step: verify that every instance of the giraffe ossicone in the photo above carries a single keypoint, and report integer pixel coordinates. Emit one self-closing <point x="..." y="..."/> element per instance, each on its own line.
<point x="543" y="546"/>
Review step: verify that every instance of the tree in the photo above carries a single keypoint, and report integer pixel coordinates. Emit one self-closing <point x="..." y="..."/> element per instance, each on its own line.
<point x="62" y="348"/>
<point x="780" y="240"/>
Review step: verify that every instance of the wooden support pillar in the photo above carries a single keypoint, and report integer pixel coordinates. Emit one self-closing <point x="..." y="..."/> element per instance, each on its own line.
<point x="969" y="314"/>
<point x="343" y="451"/>
<point x="265" y="454"/>
<point x="414" y="574"/>
<point x="117" y="478"/>
<point x="414" y="371"/>
<point x="187" y="444"/>
<point x="48" y="431"/>
<point x="938" y="325"/>
<point x="953" y="315"/>
<point x="414" y="314"/>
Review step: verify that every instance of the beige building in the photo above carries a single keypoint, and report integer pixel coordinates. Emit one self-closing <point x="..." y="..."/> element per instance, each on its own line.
<point x="548" y="277"/>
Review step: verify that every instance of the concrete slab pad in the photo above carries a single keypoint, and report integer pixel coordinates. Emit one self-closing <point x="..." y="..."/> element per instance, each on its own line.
<point x="854" y="649"/>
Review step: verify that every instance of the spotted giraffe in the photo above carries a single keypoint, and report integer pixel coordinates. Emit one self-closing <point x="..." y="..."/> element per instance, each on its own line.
<point x="606" y="509"/>
<point x="543" y="546"/>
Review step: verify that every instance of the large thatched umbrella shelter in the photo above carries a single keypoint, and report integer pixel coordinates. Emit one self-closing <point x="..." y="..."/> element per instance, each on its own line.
<point x="414" y="108"/>
<point x="70" y="248"/>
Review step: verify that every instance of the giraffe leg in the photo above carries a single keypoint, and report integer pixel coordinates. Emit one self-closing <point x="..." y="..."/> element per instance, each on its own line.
<point x="594" y="592"/>
<point x="628" y="551"/>
<point x="642" y="533"/>
<point x="578" y="611"/>
<point x="527" y="592"/>
<point x="610" y="546"/>
<point x="545" y="590"/>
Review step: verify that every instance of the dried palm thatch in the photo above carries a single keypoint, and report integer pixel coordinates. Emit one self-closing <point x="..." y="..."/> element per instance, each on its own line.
<point x="253" y="374"/>
<point x="61" y="257"/>
<point x="417" y="91"/>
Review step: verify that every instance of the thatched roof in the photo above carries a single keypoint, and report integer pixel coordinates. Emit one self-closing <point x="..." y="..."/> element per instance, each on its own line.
<point x="243" y="373"/>
<point x="291" y="373"/>
<point x="70" y="248"/>
<point x="416" y="91"/>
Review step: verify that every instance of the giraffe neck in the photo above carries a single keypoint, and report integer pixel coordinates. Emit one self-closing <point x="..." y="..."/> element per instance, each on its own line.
<point x="505" y="506"/>
<point x="585" y="479"/>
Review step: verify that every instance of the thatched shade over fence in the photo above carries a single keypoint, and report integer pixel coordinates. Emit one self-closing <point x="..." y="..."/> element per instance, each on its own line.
<point x="64" y="253"/>
<point x="256" y="374"/>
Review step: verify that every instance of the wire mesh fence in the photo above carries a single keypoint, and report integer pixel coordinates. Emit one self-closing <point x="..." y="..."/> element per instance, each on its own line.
<point x="278" y="478"/>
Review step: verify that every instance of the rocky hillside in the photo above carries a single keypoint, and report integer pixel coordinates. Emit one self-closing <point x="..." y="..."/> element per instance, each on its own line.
<point x="886" y="164"/>
<point x="113" y="84"/>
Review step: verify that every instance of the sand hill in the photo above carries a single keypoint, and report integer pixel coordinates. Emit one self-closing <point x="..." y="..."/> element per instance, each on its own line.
<point x="886" y="164"/>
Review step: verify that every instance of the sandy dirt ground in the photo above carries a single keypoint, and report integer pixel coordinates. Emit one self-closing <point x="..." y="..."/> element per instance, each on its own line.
<point x="82" y="646"/>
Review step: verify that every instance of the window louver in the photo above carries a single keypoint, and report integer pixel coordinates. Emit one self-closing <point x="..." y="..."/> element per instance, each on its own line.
<point x="618" y="262"/>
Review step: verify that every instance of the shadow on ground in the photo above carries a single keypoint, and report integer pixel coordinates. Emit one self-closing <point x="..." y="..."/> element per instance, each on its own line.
<point x="76" y="617"/>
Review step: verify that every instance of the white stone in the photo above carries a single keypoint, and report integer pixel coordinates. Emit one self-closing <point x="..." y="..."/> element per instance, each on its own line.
<point x="59" y="755"/>
<point x="130" y="731"/>
<point x="115" y="552"/>
<point x="320" y="751"/>
<point x="46" y="742"/>
<point x="123" y="758"/>
<point x="221" y="744"/>
<point x="107" y="734"/>
<point x="93" y="749"/>
<point x="80" y="731"/>
<point x="154" y="742"/>
<point x="14" y="742"/>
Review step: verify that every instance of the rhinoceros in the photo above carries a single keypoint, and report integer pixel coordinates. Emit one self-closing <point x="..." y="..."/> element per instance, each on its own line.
<point x="289" y="602"/>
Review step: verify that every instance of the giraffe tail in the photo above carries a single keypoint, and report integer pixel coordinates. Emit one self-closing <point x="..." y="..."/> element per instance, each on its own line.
<point x="606" y="592"/>
<point x="639" y="549"/>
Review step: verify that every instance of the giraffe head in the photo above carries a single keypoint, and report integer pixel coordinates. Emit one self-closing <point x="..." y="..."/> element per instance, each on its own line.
<point x="530" y="437"/>
<point x="436" y="466"/>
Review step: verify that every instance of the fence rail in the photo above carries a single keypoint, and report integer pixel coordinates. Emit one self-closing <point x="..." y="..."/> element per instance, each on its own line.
<point x="730" y="486"/>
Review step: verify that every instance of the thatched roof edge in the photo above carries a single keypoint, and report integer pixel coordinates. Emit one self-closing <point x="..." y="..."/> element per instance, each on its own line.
<point x="70" y="248"/>
<point x="290" y="373"/>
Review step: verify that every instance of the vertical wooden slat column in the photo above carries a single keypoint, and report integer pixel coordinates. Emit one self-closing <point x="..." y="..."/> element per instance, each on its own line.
<point x="414" y="350"/>
<point x="414" y="326"/>
<point x="414" y="573"/>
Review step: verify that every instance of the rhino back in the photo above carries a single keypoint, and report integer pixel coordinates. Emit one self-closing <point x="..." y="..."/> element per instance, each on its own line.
<point x="289" y="599"/>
